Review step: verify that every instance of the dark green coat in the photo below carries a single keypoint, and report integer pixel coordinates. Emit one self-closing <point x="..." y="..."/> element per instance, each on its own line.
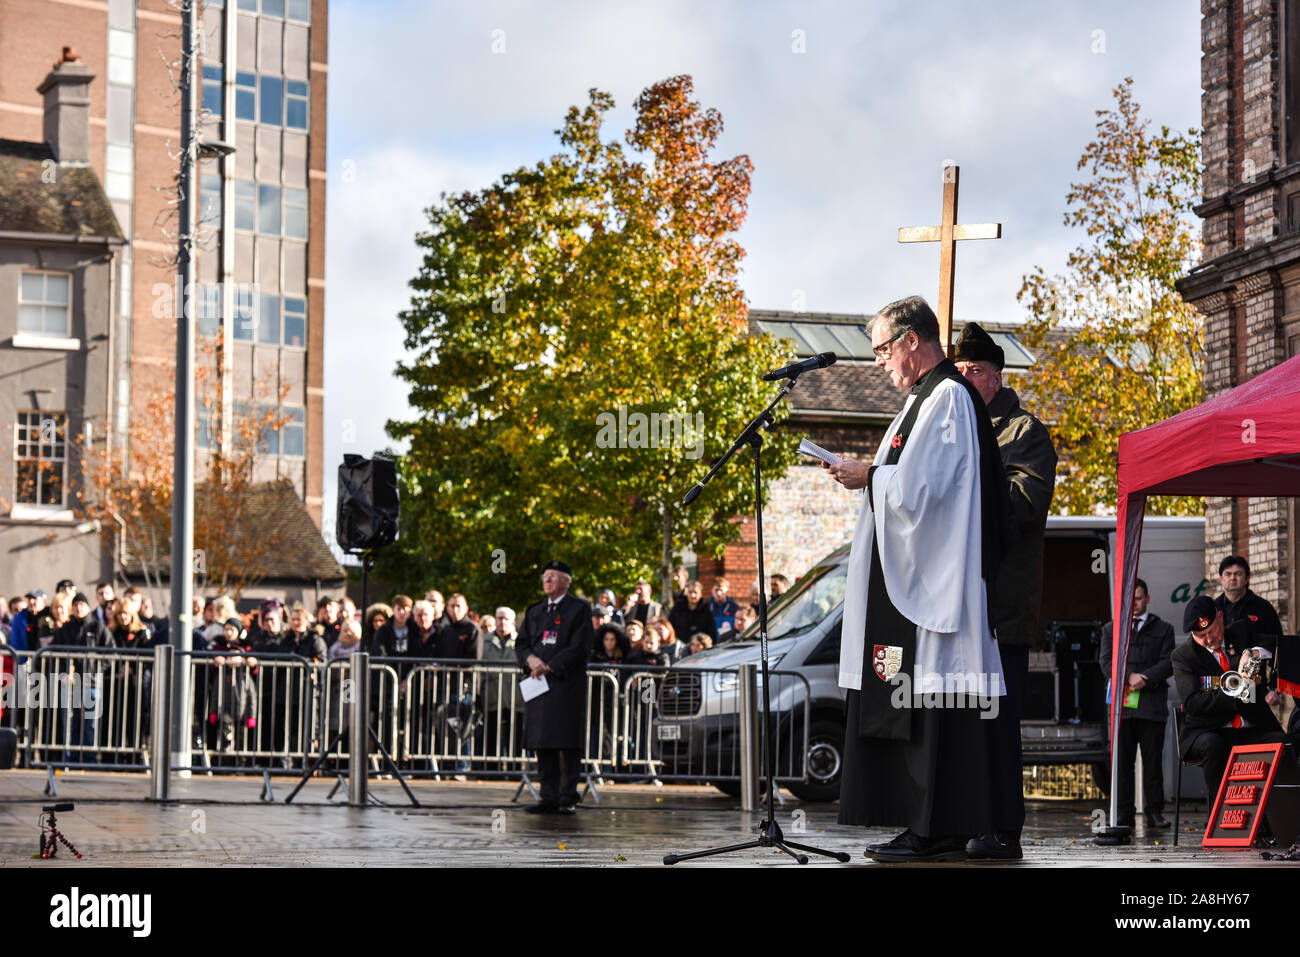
<point x="1029" y="460"/>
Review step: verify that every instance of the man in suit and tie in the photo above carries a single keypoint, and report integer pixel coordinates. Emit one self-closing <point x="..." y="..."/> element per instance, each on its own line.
<point x="1215" y="722"/>
<point x="554" y="643"/>
<point x="1145" y="712"/>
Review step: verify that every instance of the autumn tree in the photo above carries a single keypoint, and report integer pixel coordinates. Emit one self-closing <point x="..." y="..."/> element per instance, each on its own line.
<point x="580" y="354"/>
<point x="128" y="488"/>
<point x="1118" y="348"/>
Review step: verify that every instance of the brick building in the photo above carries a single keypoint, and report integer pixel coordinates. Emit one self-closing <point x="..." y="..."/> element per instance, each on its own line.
<point x="844" y="408"/>
<point x="1248" y="284"/>
<point x="261" y="259"/>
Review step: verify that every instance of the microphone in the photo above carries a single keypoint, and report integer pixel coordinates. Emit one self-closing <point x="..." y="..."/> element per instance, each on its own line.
<point x="820" y="361"/>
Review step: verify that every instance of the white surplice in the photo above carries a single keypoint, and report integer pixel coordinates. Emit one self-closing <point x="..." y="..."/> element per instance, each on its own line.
<point x="927" y="522"/>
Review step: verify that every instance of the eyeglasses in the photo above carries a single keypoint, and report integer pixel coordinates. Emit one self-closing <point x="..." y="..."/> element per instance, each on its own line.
<point x="883" y="350"/>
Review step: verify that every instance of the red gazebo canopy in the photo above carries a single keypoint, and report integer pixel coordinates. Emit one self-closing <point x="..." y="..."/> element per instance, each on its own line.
<point x="1245" y="442"/>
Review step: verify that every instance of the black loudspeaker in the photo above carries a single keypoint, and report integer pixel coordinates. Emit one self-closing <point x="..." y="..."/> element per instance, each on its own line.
<point x="1083" y="688"/>
<point x="368" y="503"/>
<point x="8" y="748"/>
<point x="1043" y="697"/>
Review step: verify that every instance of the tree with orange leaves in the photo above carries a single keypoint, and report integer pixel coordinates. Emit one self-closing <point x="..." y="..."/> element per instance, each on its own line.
<point x="583" y="320"/>
<point x="129" y="489"/>
<point x="1118" y="348"/>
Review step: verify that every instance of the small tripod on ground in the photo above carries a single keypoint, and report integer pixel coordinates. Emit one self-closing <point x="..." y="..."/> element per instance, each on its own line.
<point x="51" y="836"/>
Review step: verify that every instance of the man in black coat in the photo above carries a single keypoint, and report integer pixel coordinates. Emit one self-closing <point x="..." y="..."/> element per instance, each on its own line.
<point x="1146" y="707"/>
<point x="1215" y="722"/>
<point x="1249" y="621"/>
<point x="1029" y="463"/>
<point x="554" y="643"/>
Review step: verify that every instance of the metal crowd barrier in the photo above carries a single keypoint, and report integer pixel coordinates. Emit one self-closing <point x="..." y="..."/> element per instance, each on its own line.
<point x="251" y="717"/>
<point x="685" y="725"/>
<point x="332" y="716"/>
<point x="436" y="718"/>
<point x="467" y="718"/>
<point x="88" y="707"/>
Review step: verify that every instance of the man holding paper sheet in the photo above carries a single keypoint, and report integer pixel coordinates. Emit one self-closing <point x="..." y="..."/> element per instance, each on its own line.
<point x="552" y="647"/>
<point x="917" y="652"/>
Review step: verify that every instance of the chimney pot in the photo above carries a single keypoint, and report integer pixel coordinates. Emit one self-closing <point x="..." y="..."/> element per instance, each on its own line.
<point x="66" y="90"/>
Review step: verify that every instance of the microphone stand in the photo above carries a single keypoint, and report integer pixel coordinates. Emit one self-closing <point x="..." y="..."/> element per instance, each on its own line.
<point x="769" y="832"/>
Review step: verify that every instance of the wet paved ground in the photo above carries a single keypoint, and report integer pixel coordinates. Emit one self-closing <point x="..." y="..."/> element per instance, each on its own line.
<point x="220" y="821"/>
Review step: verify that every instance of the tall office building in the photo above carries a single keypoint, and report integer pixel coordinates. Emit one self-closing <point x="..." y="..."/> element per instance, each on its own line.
<point x="114" y="64"/>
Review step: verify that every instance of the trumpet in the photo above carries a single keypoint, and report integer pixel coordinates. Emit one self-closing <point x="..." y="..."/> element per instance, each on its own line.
<point x="1241" y="684"/>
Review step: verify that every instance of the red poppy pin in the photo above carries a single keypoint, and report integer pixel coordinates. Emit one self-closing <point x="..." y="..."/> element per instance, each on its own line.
<point x="896" y="441"/>
<point x="1253" y="617"/>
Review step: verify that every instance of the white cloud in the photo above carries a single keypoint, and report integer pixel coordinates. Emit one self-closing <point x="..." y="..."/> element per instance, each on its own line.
<point x="846" y="139"/>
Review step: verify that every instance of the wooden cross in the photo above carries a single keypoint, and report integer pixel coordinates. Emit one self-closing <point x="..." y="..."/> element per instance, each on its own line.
<point x="946" y="234"/>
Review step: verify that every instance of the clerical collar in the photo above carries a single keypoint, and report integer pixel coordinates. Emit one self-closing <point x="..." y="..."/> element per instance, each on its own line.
<point x="939" y="370"/>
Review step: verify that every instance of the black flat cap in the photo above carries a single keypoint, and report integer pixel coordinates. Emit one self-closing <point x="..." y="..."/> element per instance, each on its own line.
<point x="976" y="345"/>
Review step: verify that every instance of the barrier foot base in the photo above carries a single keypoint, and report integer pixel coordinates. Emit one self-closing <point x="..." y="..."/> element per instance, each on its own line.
<point x="50" y="790"/>
<point x="590" y="789"/>
<point x="266" y="794"/>
<point x="340" y="783"/>
<point x="525" y="783"/>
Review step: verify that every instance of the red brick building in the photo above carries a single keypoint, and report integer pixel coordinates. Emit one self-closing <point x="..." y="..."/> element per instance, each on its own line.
<point x="262" y="208"/>
<point x="1248" y="285"/>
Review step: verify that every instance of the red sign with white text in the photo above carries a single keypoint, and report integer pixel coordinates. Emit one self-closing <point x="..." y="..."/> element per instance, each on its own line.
<point x="1243" y="795"/>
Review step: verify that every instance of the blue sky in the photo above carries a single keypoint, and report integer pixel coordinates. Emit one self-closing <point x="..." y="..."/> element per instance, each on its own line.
<point x="847" y="139"/>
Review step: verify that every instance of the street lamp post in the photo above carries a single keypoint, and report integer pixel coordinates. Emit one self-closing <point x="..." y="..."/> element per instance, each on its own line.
<point x="182" y="558"/>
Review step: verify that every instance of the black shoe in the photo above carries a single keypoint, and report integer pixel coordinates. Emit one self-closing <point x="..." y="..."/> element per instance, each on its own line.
<point x="566" y="809"/>
<point x="542" y="807"/>
<point x="908" y="848"/>
<point x="1156" y="819"/>
<point x="994" y="847"/>
<point x="899" y="840"/>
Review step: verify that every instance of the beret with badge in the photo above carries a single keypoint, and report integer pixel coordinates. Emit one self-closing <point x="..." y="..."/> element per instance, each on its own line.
<point x="1199" y="614"/>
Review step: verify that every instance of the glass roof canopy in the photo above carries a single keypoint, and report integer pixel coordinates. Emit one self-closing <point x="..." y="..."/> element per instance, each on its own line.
<point x="850" y="341"/>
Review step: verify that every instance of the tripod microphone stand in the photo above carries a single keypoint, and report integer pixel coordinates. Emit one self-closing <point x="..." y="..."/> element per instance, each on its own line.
<point x="769" y="832"/>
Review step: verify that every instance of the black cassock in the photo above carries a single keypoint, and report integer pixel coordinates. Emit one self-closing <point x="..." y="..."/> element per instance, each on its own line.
<point x="563" y="640"/>
<point x="933" y="770"/>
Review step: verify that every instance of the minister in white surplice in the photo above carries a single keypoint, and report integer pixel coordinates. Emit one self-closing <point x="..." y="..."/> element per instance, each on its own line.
<point x="918" y="655"/>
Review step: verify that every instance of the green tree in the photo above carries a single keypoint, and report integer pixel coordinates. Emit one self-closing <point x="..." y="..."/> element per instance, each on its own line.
<point x="1118" y="348"/>
<point x="554" y="309"/>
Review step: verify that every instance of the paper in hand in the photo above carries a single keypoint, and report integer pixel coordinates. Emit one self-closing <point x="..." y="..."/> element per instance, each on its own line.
<point x="530" y="688"/>
<point x="817" y="452"/>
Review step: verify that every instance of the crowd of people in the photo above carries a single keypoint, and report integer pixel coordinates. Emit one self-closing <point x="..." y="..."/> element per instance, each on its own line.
<point x="639" y="631"/>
